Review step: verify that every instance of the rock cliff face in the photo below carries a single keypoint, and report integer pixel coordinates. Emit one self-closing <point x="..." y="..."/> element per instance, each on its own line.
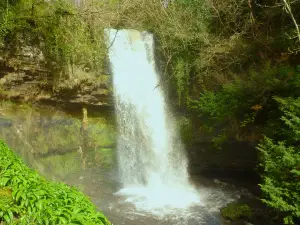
<point x="26" y="76"/>
<point x="235" y="158"/>
<point x="236" y="163"/>
<point x="56" y="143"/>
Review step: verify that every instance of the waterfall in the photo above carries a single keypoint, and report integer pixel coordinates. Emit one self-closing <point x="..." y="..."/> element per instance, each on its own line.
<point x="152" y="163"/>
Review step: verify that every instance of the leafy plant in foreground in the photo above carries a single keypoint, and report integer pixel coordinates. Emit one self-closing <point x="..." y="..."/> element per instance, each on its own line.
<point x="34" y="200"/>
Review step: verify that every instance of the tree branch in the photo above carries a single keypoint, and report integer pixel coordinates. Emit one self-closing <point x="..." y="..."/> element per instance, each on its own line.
<point x="289" y="11"/>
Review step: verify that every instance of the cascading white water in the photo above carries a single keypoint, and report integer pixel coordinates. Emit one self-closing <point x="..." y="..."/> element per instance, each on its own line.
<point x="153" y="166"/>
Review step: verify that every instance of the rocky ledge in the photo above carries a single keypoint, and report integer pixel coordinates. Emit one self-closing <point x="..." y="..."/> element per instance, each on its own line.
<point x="25" y="76"/>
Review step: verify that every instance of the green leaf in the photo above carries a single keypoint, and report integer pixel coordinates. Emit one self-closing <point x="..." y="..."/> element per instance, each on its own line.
<point x="6" y="218"/>
<point x="63" y="220"/>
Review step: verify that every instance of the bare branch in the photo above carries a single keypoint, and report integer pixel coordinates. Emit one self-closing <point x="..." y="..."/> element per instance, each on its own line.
<point x="273" y="6"/>
<point x="289" y="11"/>
<point x="113" y="40"/>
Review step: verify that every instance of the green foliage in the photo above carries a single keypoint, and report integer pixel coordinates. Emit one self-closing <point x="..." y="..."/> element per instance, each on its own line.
<point x="70" y="35"/>
<point x="280" y="162"/>
<point x="219" y="140"/>
<point x="56" y="27"/>
<point x="38" y="201"/>
<point x="230" y="39"/>
<point x="248" y="99"/>
<point x="186" y="130"/>
<point x="181" y="74"/>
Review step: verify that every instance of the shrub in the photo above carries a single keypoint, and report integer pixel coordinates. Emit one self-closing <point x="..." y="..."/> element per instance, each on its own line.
<point x="280" y="162"/>
<point x="247" y="101"/>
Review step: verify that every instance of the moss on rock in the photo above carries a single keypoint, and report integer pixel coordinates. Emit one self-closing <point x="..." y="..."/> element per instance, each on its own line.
<point x="236" y="211"/>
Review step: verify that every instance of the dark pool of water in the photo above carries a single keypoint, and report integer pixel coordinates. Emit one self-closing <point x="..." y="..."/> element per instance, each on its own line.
<point x="102" y="186"/>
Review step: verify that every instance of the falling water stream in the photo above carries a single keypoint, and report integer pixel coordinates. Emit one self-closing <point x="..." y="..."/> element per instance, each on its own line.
<point x="153" y="167"/>
<point x="151" y="159"/>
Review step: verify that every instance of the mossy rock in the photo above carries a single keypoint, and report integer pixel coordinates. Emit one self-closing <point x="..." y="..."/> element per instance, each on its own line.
<point x="236" y="211"/>
<point x="59" y="165"/>
<point x="104" y="157"/>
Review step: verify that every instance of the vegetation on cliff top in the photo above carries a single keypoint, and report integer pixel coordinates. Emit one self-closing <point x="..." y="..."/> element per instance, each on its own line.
<point x="27" y="198"/>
